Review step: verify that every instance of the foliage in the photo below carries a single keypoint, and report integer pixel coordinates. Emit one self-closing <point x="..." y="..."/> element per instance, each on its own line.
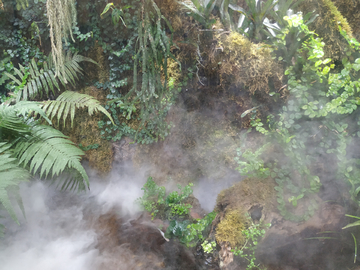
<point x="18" y="49"/>
<point x="318" y="93"/>
<point x="68" y="101"/>
<point x="197" y="230"/>
<point x="251" y="22"/>
<point x="252" y="236"/>
<point x="250" y="163"/>
<point x="116" y="14"/>
<point x="201" y="11"/>
<point x="174" y="200"/>
<point x="288" y="34"/>
<point x="152" y="53"/>
<point x="190" y="233"/>
<point x="33" y="81"/>
<point x="208" y="247"/>
<point x="353" y="224"/>
<point x="154" y="200"/>
<point x="22" y="4"/>
<point x="11" y="176"/>
<point x="27" y="147"/>
<point x="89" y="147"/>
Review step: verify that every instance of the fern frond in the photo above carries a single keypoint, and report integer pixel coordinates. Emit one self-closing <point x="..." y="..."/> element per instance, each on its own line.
<point x="10" y="123"/>
<point x="10" y="177"/>
<point x="33" y="81"/>
<point x="68" y="101"/>
<point x="26" y="108"/>
<point x="47" y="150"/>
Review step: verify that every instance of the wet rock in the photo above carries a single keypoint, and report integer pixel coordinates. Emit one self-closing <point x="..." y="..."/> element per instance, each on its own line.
<point x="256" y="212"/>
<point x="124" y="150"/>
<point x="314" y="244"/>
<point x="143" y="236"/>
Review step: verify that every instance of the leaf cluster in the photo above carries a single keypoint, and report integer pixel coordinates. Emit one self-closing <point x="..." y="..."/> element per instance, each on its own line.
<point x="172" y="206"/>
<point x="252" y="236"/>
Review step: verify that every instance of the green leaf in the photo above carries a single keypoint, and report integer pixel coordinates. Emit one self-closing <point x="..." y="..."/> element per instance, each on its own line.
<point x="106" y="9"/>
<point x="325" y="70"/>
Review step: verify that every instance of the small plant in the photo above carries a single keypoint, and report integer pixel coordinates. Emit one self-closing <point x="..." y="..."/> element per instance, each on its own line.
<point x="353" y="224"/>
<point x="250" y="163"/>
<point x="190" y="233"/>
<point x="252" y="236"/>
<point x="201" y="11"/>
<point x="208" y="247"/>
<point x="89" y="147"/>
<point x="196" y="230"/>
<point x="175" y="200"/>
<point x="173" y="205"/>
<point x="153" y="197"/>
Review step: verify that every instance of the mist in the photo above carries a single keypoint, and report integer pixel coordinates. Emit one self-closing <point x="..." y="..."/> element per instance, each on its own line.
<point x="58" y="232"/>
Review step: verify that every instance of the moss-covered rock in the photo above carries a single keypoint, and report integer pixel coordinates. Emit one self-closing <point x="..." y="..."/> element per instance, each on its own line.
<point x="247" y="64"/>
<point x="327" y="26"/>
<point x="230" y="228"/>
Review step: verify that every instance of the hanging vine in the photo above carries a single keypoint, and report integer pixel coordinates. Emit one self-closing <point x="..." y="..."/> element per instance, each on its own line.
<point x="150" y="86"/>
<point x="62" y="17"/>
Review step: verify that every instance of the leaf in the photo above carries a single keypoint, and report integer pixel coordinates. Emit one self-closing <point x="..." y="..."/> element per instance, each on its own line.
<point x="325" y="70"/>
<point x="106" y="9"/>
<point x="36" y="81"/>
<point x="11" y="175"/>
<point x="49" y="150"/>
<point x="68" y="101"/>
<point x="354" y="224"/>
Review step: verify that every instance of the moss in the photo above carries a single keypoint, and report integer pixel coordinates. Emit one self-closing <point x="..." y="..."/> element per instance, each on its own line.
<point x="230" y="228"/>
<point x="86" y="132"/>
<point x="248" y="64"/>
<point x="338" y="17"/>
<point x="327" y="26"/>
<point x="101" y="71"/>
<point x="346" y="8"/>
<point x="250" y="191"/>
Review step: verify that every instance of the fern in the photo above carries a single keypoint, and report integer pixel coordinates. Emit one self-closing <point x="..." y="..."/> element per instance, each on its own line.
<point x="153" y="52"/>
<point x="10" y="123"/>
<point x="12" y="118"/>
<point x="47" y="150"/>
<point x="33" y="81"/>
<point x="10" y="176"/>
<point x="68" y="101"/>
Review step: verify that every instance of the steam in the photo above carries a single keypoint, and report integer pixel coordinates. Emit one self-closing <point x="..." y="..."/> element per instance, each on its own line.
<point x="56" y="233"/>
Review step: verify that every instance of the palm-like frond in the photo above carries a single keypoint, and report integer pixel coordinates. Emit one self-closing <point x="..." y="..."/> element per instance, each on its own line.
<point x="68" y="101"/>
<point x="10" y="176"/>
<point x="34" y="81"/>
<point x="47" y="150"/>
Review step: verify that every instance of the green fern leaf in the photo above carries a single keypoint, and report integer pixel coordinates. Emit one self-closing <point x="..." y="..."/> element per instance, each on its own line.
<point x="68" y="101"/>
<point x="47" y="150"/>
<point x="11" y="175"/>
<point x="10" y="123"/>
<point x="33" y="81"/>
